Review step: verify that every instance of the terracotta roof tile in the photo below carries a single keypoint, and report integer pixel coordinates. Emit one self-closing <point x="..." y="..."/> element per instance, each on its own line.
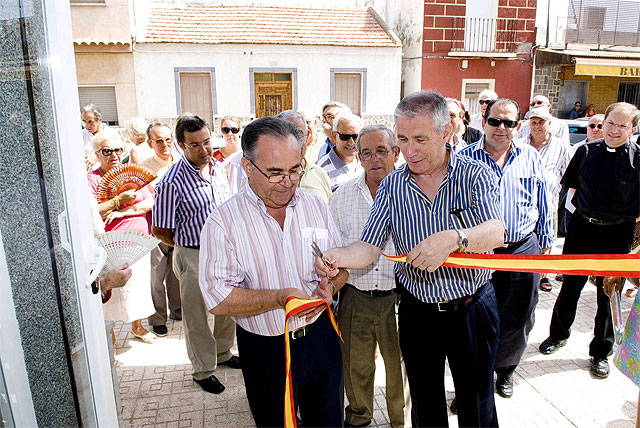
<point x="266" y="25"/>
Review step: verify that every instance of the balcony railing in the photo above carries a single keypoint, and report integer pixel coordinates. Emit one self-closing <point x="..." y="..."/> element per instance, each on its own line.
<point x="603" y="22"/>
<point x="484" y="35"/>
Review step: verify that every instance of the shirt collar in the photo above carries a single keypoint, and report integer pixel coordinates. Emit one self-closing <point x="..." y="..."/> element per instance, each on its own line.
<point x="194" y="169"/>
<point x="163" y="162"/>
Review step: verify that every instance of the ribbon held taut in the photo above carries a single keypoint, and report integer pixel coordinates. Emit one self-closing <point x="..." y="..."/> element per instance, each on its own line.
<point x="292" y="307"/>
<point x="624" y="265"/>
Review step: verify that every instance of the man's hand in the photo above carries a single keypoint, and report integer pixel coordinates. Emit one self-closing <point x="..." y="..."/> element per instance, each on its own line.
<point x="324" y="270"/>
<point x="115" y="278"/>
<point x="611" y="284"/>
<point x="285" y="293"/>
<point x="127" y="197"/>
<point x="431" y="253"/>
<point x="324" y="292"/>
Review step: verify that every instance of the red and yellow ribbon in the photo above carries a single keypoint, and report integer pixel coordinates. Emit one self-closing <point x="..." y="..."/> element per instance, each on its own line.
<point x="624" y="265"/>
<point x="292" y="307"/>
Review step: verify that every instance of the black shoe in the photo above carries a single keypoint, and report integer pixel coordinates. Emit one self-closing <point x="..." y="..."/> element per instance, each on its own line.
<point x="233" y="362"/>
<point x="600" y="367"/>
<point x="545" y="284"/>
<point x="550" y="345"/>
<point x="366" y="424"/>
<point x="454" y="406"/>
<point x="210" y="384"/>
<point x="504" y="386"/>
<point x="160" y="330"/>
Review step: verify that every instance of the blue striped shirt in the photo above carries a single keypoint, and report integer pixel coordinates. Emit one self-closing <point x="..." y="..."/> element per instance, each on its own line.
<point x="523" y="192"/>
<point x="184" y="200"/>
<point x="402" y="209"/>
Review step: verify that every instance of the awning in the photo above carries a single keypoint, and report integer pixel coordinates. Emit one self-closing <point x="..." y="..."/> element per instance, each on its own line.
<point x="607" y="67"/>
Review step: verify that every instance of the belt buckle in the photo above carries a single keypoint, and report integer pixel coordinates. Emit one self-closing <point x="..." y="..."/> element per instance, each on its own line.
<point x="440" y="309"/>
<point x="302" y="331"/>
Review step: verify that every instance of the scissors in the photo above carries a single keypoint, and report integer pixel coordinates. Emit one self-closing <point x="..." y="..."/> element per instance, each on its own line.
<point x="318" y="252"/>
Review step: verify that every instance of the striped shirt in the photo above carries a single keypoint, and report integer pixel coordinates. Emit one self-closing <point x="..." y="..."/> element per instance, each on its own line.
<point x="244" y="247"/>
<point x="555" y="159"/>
<point x="350" y="207"/>
<point x="338" y="171"/>
<point x="523" y="191"/>
<point x="402" y="208"/>
<point x="184" y="200"/>
<point x="558" y="129"/>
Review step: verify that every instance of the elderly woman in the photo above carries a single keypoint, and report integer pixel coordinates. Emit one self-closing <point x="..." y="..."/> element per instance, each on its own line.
<point x="230" y="126"/>
<point x="127" y="211"/>
<point x="139" y="150"/>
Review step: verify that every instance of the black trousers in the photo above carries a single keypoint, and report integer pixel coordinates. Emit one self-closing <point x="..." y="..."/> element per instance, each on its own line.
<point x="517" y="295"/>
<point x="316" y="367"/>
<point x="586" y="238"/>
<point x="468" y="338"/>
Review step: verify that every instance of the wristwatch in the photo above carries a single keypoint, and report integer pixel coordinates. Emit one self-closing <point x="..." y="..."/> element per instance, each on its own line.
<point x="463" y="241"/>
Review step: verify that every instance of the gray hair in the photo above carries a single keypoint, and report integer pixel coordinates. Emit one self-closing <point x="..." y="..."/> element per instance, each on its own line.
<point x="91" y="108"/>
<point x="107" y="134"/>
<point x="289" y="114"/>
<point x="348" y="116"/>
<point x="271" y="126"/>
<point x="492" y="95"/>
<point x="375" y="128"/>
<point x="155" y="125"/>
<point x="135" y="126"/>
<point x="335" y="104"/>
<point x="425" y="102"/>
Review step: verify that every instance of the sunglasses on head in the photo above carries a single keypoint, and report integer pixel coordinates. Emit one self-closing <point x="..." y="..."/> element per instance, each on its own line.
<point x="508" y="123"/>
<point x="108" y="152"/>
<point x="347" y="137"/>
<point x="484" y="102"/>
<point x="593" y="126"/>
<point x="226" y="130"/>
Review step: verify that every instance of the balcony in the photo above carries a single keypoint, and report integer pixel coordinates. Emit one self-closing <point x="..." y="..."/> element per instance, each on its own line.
<point x="483" y="35"/>
<point x="603" y="22"/>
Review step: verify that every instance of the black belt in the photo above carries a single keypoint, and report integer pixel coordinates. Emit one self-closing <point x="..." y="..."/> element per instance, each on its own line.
<point x="373" y="293"/>
<point x="303" y="331"/>
<point x="513" y="244"/>
<point x="457" y="304"/>
<point x="599" y="222"/>
<point x="193" y="247"/>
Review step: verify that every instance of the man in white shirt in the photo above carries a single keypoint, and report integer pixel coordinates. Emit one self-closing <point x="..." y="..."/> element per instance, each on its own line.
<point x="368" y="303"/>
<point x="92" y="124"/>
<point x="558" y="128"/>
<point x="341" y="163"/>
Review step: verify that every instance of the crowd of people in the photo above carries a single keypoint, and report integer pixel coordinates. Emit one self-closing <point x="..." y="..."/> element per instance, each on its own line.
<point x="237" y="225"/>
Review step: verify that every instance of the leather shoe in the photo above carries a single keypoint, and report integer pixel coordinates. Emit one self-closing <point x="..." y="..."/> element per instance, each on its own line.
<point x="210" y="384"/>
<point x="600" y="367"/>
<point x="160" y="330"/>
<point x="233" y="362"/>
<point x="454" y="406"/>
<point x="366" y="424"/>
<point x="504" y="386"/>
<point x="550" y="345"/>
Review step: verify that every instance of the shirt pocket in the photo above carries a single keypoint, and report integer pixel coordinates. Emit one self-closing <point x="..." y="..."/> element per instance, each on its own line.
<point x="309" y="235"/>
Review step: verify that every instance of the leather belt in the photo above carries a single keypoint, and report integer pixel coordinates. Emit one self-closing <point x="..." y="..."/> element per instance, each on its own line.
<point x="599" y="222"/>
<point x="301" y="332"/>
<point x="374" y="293"/>
<point x="454" y="305"/>
<point x="193" y="247"/>
<point x="513" y="244"/>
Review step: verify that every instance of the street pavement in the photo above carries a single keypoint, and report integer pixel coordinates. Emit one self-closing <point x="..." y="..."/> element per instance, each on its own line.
<point x="156" y="388"/>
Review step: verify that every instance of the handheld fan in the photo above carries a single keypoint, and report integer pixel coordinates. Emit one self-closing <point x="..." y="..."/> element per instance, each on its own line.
<point x="125" y="246"/>
<point x="122" y="178"/>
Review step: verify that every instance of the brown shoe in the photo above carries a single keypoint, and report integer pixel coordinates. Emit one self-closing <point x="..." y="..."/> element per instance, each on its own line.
<point x="545" y="285"/>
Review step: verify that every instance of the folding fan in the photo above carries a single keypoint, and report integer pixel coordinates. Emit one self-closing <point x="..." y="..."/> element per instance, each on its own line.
<point x="125" y="246"/>
<point x="122" y="178"/>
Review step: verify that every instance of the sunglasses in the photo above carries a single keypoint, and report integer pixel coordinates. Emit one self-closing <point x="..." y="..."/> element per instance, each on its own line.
<point x="226" y="130"/>
<point x="347" y="137"/>
<point x="508" y="123"/>
<point x="536" y="103"/>
<point x="481" y="102"/>
<point x="593" y="126"/>
<point x="108" y="152"/>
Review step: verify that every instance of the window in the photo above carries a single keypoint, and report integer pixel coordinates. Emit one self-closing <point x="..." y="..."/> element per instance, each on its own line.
<point x="629" y="92"/>
<point x="196" y="92"/>
<point x="349" y="86"/>
<point x="104" y="97"/>
<point x="594" y="17"/>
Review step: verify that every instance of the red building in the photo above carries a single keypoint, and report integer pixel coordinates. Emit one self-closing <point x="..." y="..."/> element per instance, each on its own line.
<point x="471" y="45"/>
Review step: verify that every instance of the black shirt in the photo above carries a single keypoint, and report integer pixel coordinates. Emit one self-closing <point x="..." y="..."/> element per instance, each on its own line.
<point x="471" y="135"/>
<point x="607" y="181"/>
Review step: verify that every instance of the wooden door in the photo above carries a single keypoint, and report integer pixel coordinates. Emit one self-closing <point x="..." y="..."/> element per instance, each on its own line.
<point x="348" y="90"/>
<point x="273" y="93"/>
<point x="195" y="95"/>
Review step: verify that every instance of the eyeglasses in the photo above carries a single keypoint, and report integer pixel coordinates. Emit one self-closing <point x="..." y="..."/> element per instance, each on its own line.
<point x="195" y="146"/>
<point x="593" y="126"/>
<point x="536" y="103"/>
<point x="484" y="102"/>
<point x="329" y="117"/>
<point x="226" y="130"/>
<point x="294" y="176"/>
<point x="380" y="154"/>
<point x="160" y="141"/>
<point x="347" y="137"/>
<point x="508" y="123"/>
<point x="107" y="152"/>
<point x="615" y="125"/>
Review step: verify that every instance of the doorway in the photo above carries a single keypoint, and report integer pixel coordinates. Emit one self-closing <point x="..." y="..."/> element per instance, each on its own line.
<point x="273" y="93"/>
<point x="571" y="92"/>
<point x="196" y="92"/>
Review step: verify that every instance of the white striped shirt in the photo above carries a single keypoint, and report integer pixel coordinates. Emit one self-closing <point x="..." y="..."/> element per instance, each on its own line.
<point x="559" y="129"/>
<point x="244" y="247"/>
<point x="555" y="160"/>
<point x="338" y="171"/>
<point x="350" y="207"/>
<point x="184" y="200"/>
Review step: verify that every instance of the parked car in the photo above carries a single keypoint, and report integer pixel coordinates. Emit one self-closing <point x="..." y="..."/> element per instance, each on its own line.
<point x="577" y="129"/>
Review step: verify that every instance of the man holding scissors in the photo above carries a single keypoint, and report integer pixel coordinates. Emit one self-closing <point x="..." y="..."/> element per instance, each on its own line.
<point x="256" y="252"/>
<point x="436" y="204"/>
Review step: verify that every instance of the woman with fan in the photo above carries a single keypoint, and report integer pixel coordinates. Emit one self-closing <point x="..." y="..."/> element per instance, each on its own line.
<point x="127" y="210"/>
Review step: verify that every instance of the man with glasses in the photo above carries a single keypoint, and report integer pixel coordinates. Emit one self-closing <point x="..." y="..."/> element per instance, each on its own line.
<point x="483" y="99"/>
<point x="185" y="196"/>
<point x="528" y="218"/>
<point x="574" y="113"/>
<point x="606" y="193"/>
<point x="341" y="163"/>
<point x="329" y="112"/>
<point x="559" y="128"/>
<point x="367" y="309"/>
<point x="256" y="253"/>
<point x="161" y="141"/>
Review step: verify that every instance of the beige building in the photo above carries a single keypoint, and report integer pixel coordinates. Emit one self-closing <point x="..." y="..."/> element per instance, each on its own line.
<point x="104" y="57"/>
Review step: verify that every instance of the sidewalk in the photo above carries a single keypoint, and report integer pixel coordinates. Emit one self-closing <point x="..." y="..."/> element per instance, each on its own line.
<point x="555" y="390"/>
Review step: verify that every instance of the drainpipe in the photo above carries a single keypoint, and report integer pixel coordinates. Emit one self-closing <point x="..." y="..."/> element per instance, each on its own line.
<point x="548" y="21"/>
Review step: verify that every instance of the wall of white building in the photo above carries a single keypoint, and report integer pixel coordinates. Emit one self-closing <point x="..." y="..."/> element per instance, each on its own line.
<point x="155" y="63"/>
